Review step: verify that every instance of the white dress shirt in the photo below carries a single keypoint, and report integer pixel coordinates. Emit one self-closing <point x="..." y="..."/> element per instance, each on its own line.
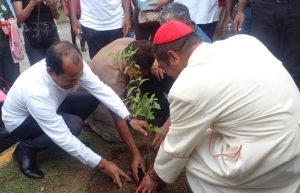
<point x="35" y="93"/>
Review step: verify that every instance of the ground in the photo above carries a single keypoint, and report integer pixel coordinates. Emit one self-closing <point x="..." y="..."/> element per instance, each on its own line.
<point x="63" y="173"/>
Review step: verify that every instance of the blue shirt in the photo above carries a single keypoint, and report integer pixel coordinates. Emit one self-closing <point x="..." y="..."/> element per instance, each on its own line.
<point x="201" y="34"/>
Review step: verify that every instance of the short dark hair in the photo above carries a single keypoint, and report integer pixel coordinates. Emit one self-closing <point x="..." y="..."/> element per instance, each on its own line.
<point x="144" y="56"/>
<point x="180" y="45"/>
<point x="56" y="53"/>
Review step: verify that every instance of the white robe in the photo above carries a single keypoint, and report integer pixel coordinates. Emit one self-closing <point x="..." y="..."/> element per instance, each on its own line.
<point x="238" y="88"/>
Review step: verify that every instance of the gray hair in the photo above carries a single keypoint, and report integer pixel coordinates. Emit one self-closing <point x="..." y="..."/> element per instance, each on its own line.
<point x="175" y="11"/>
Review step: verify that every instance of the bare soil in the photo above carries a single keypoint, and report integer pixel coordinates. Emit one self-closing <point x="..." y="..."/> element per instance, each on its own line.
<point x="122" y="157"/>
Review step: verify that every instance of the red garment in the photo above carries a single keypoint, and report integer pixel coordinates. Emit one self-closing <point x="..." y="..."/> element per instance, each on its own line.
<point x="221" y="3"/>
<point x="78" y="9"/>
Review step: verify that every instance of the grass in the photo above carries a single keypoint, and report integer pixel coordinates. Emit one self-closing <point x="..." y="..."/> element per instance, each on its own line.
<point x="63" y="173"/>
<point x="62" y="15"/>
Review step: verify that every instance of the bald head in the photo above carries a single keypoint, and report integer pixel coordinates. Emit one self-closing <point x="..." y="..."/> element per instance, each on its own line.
<point x="60" y="52"/>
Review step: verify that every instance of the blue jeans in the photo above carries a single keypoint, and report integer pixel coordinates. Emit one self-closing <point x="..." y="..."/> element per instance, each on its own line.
<point x="37" y="54"/>
<point x="96" y="40"/>
<point x="277" y="26"/>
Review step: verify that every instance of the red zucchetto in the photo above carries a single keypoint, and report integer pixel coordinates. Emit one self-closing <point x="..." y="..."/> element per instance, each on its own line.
<point x="170" y="31"/>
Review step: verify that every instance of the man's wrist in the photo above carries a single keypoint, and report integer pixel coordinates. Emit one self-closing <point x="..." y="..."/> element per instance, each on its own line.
<point x="152" y="174"/>
<point x="128" y="119"/>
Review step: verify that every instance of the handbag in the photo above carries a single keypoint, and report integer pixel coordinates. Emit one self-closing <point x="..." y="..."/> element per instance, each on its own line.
<point x="34" y="35"/>
<point x="149" y="18"/>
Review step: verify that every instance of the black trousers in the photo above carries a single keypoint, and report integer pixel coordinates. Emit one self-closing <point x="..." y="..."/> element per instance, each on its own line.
<point x="74" y="110"/>
<point x="96" y="40"/>
<point x="277" y="26"/>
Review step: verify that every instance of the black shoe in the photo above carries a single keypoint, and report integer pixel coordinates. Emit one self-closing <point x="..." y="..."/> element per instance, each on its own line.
<point x="83" y="49"/>
<point x="27" y="164"/>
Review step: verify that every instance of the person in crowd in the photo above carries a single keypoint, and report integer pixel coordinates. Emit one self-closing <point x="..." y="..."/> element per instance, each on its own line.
<point x="204" y="13"/>
<point x="110" y="70"/>
<point x="101" y="22"/>
<point x="277" y="25"/>
<point x="147" y="33"/>
<point x="230" y="129"/>
<point x="218" y="34"/>
<point x="245" y="27"/>
<point x="67" y="9"/>
<point x="39" y="109"/>
<point x="8" y="69"/>
<point x="179" y="12"/>
<point x="38" y="18"/>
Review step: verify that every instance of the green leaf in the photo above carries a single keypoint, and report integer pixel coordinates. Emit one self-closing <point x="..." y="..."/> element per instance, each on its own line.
<point x="156" y="129"/>
<point x="138" y="111"/>
<point x="156" y="106"/>
<point x="130" y="90"/>
<point x="142" y="81"/>
<point x="110" y="53"/>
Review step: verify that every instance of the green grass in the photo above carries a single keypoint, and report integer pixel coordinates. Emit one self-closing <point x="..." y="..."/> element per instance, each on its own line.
<point x="63" y="173"/>
<point x="62" y="15"/>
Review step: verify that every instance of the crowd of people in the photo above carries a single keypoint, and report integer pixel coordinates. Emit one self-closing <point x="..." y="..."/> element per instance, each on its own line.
<point x="231" y="70"/>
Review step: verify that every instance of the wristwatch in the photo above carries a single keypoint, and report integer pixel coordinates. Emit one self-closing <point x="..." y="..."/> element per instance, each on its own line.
<point x="129" y="119"/>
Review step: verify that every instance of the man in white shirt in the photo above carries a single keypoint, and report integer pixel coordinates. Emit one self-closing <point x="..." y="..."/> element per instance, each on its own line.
<point x="101" y="22"/>
<point x="234" y="123"/>
<point x="42" y="111"/>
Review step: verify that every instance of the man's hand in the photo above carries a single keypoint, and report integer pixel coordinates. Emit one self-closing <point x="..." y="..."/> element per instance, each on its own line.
<point x="148" y="185"/>
<point x="137" y="163"/>
<point x="238" y="22"/>
<point x="76" y="27"/>
<point x="159" y="4"/>
<point x="52" y="4"/>
<point x="140" y="126"/>
<point x="113" y="171"/>
<point x="126" y="26"/>
<point x="159" y="137"/>
<point x="225" y="23"/>
<point x="157" y="71"/>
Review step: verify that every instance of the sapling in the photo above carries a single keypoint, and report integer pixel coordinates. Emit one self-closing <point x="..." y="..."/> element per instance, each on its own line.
<point x="140" y="105"/>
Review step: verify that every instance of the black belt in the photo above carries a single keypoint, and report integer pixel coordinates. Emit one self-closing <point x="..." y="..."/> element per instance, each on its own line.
<point x="45" y="25"/>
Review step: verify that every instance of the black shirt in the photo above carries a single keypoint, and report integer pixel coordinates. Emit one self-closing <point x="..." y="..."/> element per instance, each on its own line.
<point x="45" y="12"/>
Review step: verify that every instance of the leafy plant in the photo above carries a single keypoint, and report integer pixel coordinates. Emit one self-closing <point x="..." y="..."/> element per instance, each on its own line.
<point x="140" y="105"/>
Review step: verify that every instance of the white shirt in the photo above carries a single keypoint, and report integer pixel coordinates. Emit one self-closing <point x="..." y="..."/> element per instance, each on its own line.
<point x="252" y="103"/>
<point x="102" y="15"/>
<point x="202" y="11"/>
<point x="35" y="93"/>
